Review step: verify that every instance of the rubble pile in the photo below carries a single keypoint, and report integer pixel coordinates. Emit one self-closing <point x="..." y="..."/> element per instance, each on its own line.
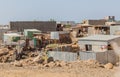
<point x="62" y="64"/>
<point x="108" y="66"/>
<point x="70" y="65"/>
<point x="30" y="58"/>
<point x="6" y="55"/>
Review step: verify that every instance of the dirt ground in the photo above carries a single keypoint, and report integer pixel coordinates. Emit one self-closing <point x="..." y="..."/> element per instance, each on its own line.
<point x="75" y="69"/>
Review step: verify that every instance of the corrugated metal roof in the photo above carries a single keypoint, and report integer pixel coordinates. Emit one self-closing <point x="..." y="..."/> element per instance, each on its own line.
<point x="99" y="38"/>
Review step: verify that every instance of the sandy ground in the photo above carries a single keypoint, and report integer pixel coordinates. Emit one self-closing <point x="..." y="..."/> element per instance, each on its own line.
<point x="8" y="70"/>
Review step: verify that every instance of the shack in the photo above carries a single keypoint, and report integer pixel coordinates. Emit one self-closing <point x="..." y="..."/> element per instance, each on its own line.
<point x="87" y="30"/>
<point x="11" y="38"/>
<point x="41" y="40"/>
<point x="29" y="32"/>
<point x="61" y="36"/>
<point x="98" y="47"/>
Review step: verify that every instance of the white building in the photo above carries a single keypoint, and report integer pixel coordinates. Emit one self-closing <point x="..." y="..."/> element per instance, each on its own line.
<point x="98" y="47"/>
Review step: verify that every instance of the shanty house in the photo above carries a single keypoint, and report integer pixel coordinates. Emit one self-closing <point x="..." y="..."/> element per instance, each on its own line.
<point x="11" y="38"/>
<point x="98" y="47"/>
<point x="30" y="32"/>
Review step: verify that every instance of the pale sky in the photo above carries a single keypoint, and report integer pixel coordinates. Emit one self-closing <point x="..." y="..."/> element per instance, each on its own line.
<point x="60" y="10"/>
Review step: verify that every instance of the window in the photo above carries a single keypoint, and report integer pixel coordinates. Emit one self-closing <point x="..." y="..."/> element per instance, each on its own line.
<point x="88" y="47"/>
<point x="110" y="47"/>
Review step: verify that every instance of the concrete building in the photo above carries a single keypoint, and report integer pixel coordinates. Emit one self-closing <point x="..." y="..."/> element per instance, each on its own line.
<point x="95" y="30"/>
<point x="112" y="23"/>
<point x="94" y="22"/>
<point x="87" y="30"/>
<point x="107" y="20"/>
<point x="11" y="38"/>
<point x="3" y="29"/>
<point x="44" y="26"/>
<point x="110" y="18"/>
<point x="115" y="30"/>
<point x="72" y="23"/>
<point x="99" y="47"/>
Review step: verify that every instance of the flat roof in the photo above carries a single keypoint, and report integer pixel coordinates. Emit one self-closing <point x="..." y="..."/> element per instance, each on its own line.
<point x="12" y="34"/>
<point x="99" y="38"/>
<point x="31" y="30"/>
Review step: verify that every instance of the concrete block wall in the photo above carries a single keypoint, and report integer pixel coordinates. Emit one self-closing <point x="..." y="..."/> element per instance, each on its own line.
<point x="40" y="25"/>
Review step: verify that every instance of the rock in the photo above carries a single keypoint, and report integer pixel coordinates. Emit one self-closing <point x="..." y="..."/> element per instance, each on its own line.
<point x="40" y="65"/>
<point x="50" y="59"/>
<point x="57" y="63"/>
<point x="3" y="53"/>
<point x="69" y="65"/>
<point x="5" y="59"/>
<point x="37" y="58"/>
<point x="108" y="66"/>
<point x="46" y="65"/>
<point x="51" y="64"/>
<point x="18" y="64"/>
<point x="62" y="64"/>
<point x="32" y="55"/>
<point x="92" y="62"/>
<point x="41" y="61"/>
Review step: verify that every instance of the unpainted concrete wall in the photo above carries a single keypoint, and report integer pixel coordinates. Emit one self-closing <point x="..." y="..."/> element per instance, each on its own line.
<point x="40" y="25"/>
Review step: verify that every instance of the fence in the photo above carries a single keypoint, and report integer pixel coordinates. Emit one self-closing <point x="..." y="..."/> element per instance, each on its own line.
<point x="102" y="57"/>
<point x="62" y="55"/>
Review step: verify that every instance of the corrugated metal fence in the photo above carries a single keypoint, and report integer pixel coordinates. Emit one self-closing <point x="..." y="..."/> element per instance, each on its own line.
<point x="102" y="57"/>
<point x="62" y="55"/>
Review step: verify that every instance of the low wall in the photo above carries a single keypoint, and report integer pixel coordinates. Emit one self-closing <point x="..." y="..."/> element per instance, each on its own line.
<point x="62" y="55"/>
<point x="102" y="57"/>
